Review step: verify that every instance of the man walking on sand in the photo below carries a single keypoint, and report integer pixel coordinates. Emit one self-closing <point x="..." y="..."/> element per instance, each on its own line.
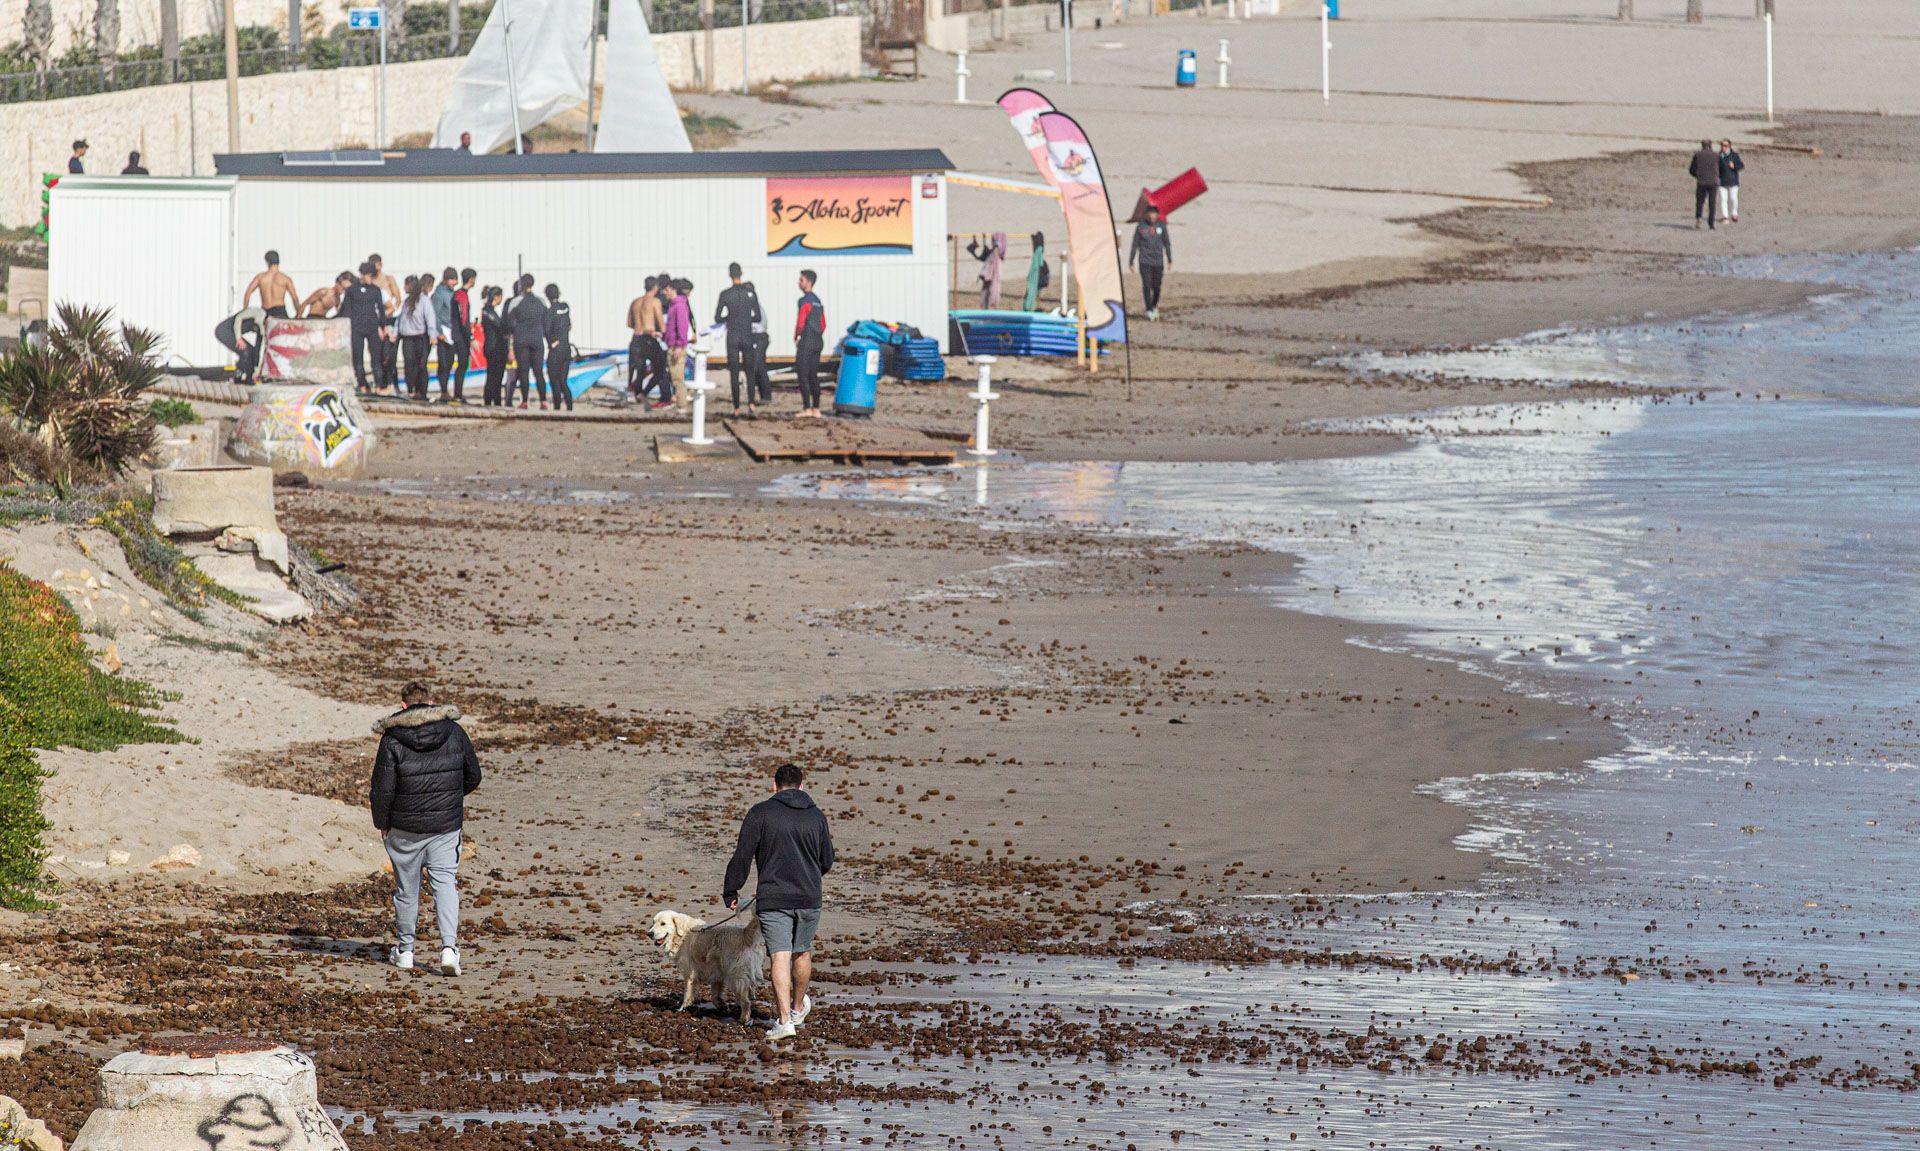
<point x="786" y="838"/>
<point x="422" y="775"/>
<point x="1153" y="246"/>
<point x="1731" y="165"/>
<point x="1706" y="184"/>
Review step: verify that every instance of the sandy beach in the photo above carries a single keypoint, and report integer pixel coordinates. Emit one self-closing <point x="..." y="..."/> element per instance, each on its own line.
<point x="1041" y="741"/>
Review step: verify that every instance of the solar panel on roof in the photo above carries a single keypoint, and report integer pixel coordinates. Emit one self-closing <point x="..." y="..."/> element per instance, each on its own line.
<point x="349" y="158"/>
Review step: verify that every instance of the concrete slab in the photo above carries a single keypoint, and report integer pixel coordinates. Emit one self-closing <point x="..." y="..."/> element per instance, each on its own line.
<point x="194" y="501"/>
<point x="676" y="450"/>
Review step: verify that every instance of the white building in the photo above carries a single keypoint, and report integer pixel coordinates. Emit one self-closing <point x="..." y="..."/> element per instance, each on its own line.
<point x="175" y="255"/>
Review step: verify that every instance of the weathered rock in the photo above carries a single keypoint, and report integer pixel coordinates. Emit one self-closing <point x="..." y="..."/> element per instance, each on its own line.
<point x="18" y="1129"/>
<point x="178" y="858"/>
<point x="201" y="1092"/>
<point x="194" y="501"/>
<point x="248" y="575"/>
<point x="320" y="430"/>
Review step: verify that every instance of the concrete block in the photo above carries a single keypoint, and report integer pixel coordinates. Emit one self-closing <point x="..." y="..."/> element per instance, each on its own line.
<point x="194" y="501"/>
<point x="307" y="351"/>
<point x="320" y="430"/>
<point x="255" y="578"/>
<point x="191" y="446"/>
<point x="191" y="1093"/>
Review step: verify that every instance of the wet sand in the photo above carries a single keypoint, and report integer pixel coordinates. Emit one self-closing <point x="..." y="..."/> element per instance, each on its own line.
<point x="1042" y="740"/>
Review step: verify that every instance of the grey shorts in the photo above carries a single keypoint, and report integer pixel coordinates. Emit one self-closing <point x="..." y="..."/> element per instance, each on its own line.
<point x="789" y="930"/>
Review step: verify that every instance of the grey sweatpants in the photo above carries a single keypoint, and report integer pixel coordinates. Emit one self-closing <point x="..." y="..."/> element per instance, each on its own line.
<point x="439" y="855"/>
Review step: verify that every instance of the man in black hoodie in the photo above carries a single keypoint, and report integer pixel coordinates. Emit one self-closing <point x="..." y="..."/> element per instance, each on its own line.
<point x="786" y="837"/>
<point x="1705" y="170"/>
<point x="421" y="778"/>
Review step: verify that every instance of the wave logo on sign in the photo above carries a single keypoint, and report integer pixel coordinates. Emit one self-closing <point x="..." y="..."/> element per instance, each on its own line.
<point x="840" y="216"/>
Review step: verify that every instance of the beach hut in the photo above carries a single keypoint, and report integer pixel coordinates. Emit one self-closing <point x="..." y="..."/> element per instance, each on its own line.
<point x="176" y="254"/>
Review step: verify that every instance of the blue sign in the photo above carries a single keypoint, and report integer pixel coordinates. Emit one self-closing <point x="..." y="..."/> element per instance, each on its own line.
<point x="363" y="19"/>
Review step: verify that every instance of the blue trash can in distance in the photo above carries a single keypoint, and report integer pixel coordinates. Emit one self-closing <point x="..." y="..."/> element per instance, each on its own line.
<point x="859" y="383"/>
<point x="1188" y="73"/>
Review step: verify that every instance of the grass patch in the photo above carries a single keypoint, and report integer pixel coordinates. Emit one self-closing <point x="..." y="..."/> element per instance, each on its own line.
<point x="159" y="564"/>
<point x="171" y="413"/>
<point x="51" y="695"/>
<point x="195" y="643"/>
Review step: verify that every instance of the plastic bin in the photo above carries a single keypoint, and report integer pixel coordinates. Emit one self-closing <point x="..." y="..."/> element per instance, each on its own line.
<point x="1187" y="74"/>
<point x="859" y="383"/>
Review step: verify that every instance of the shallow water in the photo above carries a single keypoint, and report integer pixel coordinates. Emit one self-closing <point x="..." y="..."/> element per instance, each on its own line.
<point x="1729" y="579"/>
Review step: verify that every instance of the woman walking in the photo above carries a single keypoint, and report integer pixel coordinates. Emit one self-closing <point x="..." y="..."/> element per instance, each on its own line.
<point x="415" y="326"/>
<point x="493" y="346"/>
<point x="559" y="347"/>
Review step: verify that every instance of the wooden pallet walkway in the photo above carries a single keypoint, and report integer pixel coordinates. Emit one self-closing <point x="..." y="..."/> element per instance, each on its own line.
<point x="841" y="441"/>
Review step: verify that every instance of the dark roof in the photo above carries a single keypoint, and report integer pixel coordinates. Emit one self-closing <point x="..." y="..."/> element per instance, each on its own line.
<point x="450" y="164"/>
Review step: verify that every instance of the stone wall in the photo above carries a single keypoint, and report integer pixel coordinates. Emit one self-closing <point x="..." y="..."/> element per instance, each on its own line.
<point x="178" y="127"/>
<point x="140" y="19"/>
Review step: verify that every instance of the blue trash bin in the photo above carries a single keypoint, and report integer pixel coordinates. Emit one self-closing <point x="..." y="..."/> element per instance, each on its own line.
<point x="859" y="383"/>
<point x="1188" y="73"/>
<point x="1333" y="9"/>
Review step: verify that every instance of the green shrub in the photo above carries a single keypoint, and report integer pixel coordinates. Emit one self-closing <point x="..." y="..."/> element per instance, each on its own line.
<point x="172" y="413"/>
<point x="159" y="564"/>
<point x="59" y="698"/>
<point x="23" y="852"/>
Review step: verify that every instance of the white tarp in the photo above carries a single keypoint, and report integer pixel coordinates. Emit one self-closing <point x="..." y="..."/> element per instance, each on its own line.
<point x="550" y="40"/>
<point x="638" y="114"/>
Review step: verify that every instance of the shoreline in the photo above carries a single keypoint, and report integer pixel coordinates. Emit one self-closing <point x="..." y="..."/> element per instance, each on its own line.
<point x="635" y="679"/>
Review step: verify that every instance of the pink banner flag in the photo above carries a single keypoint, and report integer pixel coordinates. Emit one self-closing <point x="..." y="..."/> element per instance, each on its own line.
<point x="1073" y="169"/>
<point x="1024" y="106"/>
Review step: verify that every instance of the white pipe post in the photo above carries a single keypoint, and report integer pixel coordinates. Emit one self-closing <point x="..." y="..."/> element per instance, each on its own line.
<point x="1326" y="56"/>
<point x="1769" y="23"/>
<point x="745" y="73"/>
<point x="983" y="396"/>
<point x="699" y="386"/>
<point x="1224" y="61"/>
<point x="1066" y="32"/>
<point x="960" y="75"/>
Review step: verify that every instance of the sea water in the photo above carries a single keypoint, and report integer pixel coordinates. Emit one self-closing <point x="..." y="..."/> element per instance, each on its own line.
<point x="1723" y="567"/>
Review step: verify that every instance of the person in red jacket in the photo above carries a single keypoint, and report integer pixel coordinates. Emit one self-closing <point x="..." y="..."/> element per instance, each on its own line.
<point x="809" y="340"/>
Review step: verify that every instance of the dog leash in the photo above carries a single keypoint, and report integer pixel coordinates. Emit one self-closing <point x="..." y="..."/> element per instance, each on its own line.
<point x="729" y="919"/>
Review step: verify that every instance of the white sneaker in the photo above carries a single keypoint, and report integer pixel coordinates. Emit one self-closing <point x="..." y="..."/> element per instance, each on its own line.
<point x="401" y="959"/>
<point x="781" y="1031"/>
<point x="449" y="961"/>
<point x="801" y="1012"/>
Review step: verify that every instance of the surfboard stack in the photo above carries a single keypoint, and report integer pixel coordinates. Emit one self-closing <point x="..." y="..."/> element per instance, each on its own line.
<point x="998" y="333"/>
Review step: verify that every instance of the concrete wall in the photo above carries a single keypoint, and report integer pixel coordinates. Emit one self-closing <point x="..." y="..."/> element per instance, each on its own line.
<point x="972" y="30"/>
<point x="179" y="127"/>
<point x="140" y="19"/>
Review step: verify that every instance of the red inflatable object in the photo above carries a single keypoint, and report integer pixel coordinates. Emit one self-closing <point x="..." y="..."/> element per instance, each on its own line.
<point x="1182" y="189"/>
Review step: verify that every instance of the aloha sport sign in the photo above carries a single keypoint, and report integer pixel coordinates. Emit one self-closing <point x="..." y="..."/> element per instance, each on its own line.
<point x="840" y="216"/>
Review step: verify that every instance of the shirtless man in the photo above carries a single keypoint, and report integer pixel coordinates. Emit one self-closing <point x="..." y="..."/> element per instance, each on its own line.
<point x="275" y="288"/>
<point x="326" y="301"/>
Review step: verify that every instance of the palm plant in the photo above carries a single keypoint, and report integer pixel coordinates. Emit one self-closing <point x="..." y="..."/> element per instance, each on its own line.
<point x="81" y="394"/>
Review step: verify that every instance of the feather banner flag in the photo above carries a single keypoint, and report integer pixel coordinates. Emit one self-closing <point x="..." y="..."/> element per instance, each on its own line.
<point x="1063" y="154"/>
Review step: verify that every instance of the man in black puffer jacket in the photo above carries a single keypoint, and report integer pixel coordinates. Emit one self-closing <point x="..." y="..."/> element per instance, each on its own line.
<point x="787" y="840"/>
<point x="421" y="778"/>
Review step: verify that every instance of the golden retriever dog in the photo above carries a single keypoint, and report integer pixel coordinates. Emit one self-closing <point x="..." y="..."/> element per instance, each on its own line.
<point x="730" y="959"/>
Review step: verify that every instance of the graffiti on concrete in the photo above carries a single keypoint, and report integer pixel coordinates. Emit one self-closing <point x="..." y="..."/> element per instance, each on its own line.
<point x="325" y="419"/>
<point x="246" y="1123"/>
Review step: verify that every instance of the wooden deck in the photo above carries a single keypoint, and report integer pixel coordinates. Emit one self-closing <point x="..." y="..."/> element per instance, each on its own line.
<point x="841" y="441"/>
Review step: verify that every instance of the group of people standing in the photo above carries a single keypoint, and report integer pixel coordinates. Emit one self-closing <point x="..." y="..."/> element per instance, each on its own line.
<point x="661" y="320"/>
<point x="1716" y="183"/>
<point x="394" y="326"/>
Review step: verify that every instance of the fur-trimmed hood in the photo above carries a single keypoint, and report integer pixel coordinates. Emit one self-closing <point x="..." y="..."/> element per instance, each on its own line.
<point x="413" y="717"/>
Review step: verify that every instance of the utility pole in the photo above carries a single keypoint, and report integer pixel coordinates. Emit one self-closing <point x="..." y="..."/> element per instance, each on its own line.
<point x="381" y="142"/>
<point x="453" y="27"/>
<point x="746" y="78"/>
<point x="1626" y="9"/>
<point x="233" y="78"/>
<point x="706" y="27"/>
<point x="170" y="38"/>
<point x="293" y="29"/>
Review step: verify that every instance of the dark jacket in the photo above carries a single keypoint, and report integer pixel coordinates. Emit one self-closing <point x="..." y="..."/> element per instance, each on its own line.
<point x="1152" y="243"/>
<point x="527" y="319"/>
<point x="739" y="310"/>
<point x="810" y="327"/>
<point x="786" y="837"/>
<point x="361" y="305"/>
<point x="423" y="771"/>
<point x="560" y="326"/>
<point x="493" y="332"/>
<point x="1705" y="168"/>
<point x="1731" y="165"/>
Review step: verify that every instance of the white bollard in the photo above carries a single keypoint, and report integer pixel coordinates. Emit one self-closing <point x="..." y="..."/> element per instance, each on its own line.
<point x="1223" y="62"/>
<point x="700" y="386"/>
<point x="960" y="75"/>
<point x="983" y="396"/>
<point x="191" y="1093"/>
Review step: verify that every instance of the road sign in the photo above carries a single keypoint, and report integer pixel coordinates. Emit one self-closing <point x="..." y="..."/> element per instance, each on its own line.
<point x="363" y="19"/>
